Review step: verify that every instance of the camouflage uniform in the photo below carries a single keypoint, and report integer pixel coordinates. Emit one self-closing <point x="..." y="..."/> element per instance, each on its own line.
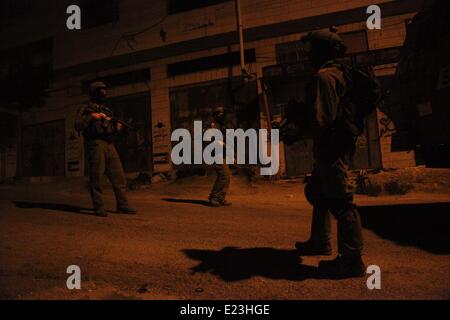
<point x="330" y="190"/>
<point x="102" y="154"/>
<point x="222" y="183"/>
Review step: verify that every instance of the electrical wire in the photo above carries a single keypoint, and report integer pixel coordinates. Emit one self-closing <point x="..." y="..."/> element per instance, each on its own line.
<point x="130" y="36"/>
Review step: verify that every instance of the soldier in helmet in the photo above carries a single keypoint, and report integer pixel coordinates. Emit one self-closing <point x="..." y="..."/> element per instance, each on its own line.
<point x="222" y="183"/>
<point x="329" y="190"/>
<point x="98" y="128"/>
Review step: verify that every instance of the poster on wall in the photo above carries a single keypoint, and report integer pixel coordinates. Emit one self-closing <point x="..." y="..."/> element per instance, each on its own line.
<point x="161" y="147"/>
<point x="74" y="152"/>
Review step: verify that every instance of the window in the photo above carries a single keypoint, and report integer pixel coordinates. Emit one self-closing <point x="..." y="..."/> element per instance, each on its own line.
<point x="199" y="101"/>
<point x="13" y="8"/>
<point x="27" y="68"/>
<point x="98" y="12"/>
<point x="177" y="6"/>
<point x="290" y="52"/>
<point x="43" y="149"/>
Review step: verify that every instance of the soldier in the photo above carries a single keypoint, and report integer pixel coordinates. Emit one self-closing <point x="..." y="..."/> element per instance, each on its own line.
<point x="329" y="190"/>
<point x="220" y="187"/>
<point x="96" y="122"/>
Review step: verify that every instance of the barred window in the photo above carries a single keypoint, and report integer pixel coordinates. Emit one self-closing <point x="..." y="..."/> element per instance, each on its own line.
<point x="12" y="8"/>
<point x="290" y="52"/>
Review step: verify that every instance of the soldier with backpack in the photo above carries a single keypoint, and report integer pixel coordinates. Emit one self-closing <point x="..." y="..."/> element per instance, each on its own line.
<point x="338" y="99"/>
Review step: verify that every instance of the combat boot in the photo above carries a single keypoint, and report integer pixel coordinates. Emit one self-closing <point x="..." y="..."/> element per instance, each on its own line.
<point x="126" y="210"/>
<point x="213" y="202"/>
<point x="343" y="267"/>
<point x="100" y="212"/>
<point x="225" y="203"/>
<point x="313" y="248"/>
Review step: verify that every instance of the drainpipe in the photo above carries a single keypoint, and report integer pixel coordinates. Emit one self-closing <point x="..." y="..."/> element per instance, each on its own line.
<point x="240" y="30"/>
<point x="248" y="76"/>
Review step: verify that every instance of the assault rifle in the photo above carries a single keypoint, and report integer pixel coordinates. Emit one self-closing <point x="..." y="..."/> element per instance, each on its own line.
<point x="116" y="120"/>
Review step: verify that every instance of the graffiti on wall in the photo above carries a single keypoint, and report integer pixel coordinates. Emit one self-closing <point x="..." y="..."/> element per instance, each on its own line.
<point x="74" y="152"/>
<point x="387" y="128"/>
<point x="161" y="146"/>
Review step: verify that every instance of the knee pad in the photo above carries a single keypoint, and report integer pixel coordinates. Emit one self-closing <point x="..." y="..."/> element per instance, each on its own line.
<point x="341" y="208"/>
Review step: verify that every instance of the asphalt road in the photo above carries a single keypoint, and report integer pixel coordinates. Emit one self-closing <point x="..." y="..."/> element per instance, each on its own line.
<point x="179" y="248"/>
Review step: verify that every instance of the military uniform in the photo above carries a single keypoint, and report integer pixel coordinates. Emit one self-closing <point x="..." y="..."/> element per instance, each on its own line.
<point x="102" y="156"/>
<point x="330" y="190"/>
<point x="222" y="183"/>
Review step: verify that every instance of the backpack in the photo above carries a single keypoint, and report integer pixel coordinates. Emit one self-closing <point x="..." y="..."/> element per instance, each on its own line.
<point x="362" y="97"/>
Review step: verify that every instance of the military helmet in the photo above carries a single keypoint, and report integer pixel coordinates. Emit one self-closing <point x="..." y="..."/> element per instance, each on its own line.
<point x="97" y="85"/>
<point x="218" y="110"/>
<point x="323" y="36"/>
<point x="326" y="39"/>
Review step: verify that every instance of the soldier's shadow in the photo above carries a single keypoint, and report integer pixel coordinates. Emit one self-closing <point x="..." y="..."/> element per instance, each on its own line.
<point x="424" y="226"/>
<point x="53" y="206"/>
<point x="188" y="201"/>
<point x="235" y="264"/>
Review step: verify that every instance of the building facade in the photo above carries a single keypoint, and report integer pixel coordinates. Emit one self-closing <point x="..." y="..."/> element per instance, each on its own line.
<point x="169" y="62"/>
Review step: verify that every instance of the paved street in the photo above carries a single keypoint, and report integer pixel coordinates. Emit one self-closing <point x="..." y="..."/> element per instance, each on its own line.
<point x="179" y="248"/>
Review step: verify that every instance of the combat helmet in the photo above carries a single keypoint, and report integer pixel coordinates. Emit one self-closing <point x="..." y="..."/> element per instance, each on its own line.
<point x="97" y="85"/>
<point x="326" y="40"/>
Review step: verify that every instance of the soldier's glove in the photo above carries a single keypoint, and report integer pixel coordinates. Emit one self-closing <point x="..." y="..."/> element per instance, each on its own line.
<point x="97" y="115"/>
